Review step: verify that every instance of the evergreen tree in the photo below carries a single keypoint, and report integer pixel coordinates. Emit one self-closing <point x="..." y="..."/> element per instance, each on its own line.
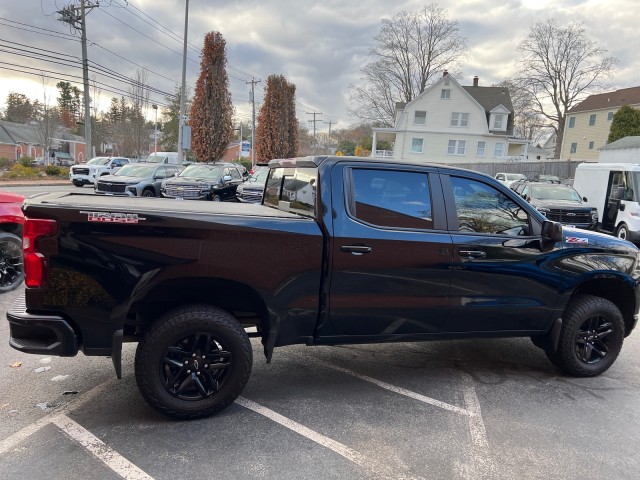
<point x="211" y="116"/>
<point x="625" y="123"/>
<point x="19" y="108"/>
<point x="277" y="130"/>
<point x="168" y="123"/>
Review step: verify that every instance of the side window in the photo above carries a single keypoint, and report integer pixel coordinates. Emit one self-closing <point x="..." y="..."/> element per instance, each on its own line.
<point x="235" y="174"/>
<point x="161" y="172"/>
<point x="483" y="209"/>
<point x="390" y="198"/>
<point x="116" y="163"/>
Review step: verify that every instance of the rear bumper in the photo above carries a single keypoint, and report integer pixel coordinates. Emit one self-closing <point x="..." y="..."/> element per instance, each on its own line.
<point x="40" y="334"/>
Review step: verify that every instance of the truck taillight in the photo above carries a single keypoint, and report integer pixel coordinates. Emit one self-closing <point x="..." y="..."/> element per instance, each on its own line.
<point x="34" y="230"/>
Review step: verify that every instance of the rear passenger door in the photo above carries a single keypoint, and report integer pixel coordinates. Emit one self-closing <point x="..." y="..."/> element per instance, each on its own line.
<point x="497" y="285"/>
<point x="389" y="252"/>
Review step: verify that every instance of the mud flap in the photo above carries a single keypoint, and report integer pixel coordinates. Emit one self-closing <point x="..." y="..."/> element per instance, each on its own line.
<point x="116" y="352"/>
<point x="554" y="335"/>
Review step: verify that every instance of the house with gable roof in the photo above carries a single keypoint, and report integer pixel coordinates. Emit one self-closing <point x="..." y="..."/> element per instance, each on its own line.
<point x="588" y="123"/>
<point x="450" y="123"/>
<point x="19" y="140"/>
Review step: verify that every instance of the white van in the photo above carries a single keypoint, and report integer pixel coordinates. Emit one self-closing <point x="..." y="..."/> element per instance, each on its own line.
<point x="163" y="157"/>
<point x="614" y="189"/>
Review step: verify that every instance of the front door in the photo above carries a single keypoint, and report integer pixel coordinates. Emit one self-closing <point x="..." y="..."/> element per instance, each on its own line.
<point x="389" y="253"/>
<point x="498" y="282"/>
<point x="618" y="189"/>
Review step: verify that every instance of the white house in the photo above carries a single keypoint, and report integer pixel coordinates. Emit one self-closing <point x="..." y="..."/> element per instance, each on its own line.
<point x="450" y="123"/>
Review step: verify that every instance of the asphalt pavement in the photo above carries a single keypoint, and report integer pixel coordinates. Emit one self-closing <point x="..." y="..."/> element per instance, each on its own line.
<point x="465" y="409"/>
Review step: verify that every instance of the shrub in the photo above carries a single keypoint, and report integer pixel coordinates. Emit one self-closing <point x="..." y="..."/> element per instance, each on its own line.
<point x="26" y="161"/>
<point x="5" y="162"/>
<point x="53" y="171"/>
<point x="20" y="171"/>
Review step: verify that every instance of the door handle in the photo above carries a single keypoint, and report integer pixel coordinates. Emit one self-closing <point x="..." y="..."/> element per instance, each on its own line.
<point x="472" y="253"/>
<point x="356" y="249"/>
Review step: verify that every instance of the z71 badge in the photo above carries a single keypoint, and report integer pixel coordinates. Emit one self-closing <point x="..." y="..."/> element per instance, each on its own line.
<point x="113" y="217"/>
<point x="577" y="240"/>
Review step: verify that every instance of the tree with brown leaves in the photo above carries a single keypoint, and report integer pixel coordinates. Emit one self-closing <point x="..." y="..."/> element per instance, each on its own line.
<point x="211" y="117"/>
<point x="277" y="130"/>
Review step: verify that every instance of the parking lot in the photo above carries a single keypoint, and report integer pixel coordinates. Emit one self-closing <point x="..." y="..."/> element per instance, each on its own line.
<point x="462" y="409"/>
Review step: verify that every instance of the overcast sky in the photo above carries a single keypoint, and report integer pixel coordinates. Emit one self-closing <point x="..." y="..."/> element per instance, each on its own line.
<point x="318" y="46"/>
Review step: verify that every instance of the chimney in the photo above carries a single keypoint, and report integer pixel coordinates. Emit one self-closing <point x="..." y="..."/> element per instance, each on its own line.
<point x="475" y="81"/>
<point x="445" y="73"/>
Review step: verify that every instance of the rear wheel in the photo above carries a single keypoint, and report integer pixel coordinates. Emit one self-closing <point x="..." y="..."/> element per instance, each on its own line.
<point x="623" y="231"/>
<point x="11" y="267"/>
<point x="591" y="336"/>
<point x="193" y="362"/>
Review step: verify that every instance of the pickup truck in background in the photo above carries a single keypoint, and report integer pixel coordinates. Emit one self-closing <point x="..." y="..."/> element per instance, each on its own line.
<point x="341" y="250"/>
<point x="87" y="173"/>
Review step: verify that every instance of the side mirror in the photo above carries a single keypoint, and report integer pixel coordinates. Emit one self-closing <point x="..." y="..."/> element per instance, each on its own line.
<point x="227" y="178"/>
<point x="584" y="199"/>
<point x="551" y="232"/>
<point x="621" y="206"/>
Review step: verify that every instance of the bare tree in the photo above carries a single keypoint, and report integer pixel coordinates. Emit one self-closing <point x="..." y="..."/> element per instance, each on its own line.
<point x="559" y="67"/>
<point x="46" y="121"/>
<point x="527" y="122"/>
<point x="139" y="94"/>
<point x="410" y="50"/>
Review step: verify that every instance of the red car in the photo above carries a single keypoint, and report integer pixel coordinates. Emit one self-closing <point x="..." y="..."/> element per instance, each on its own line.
<point x="11" y="220"/>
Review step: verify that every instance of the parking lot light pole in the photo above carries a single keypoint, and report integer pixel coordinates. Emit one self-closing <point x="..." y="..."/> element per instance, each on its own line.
<point x="155" y="129"/>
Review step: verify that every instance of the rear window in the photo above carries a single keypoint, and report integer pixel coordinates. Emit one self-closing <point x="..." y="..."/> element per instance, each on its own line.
<point x="292" y="190"/>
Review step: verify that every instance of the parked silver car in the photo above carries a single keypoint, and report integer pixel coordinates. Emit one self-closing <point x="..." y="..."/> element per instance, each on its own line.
<point x="136" y="180"/>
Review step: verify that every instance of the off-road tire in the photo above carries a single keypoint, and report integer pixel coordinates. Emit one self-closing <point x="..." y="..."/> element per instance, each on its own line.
<point x="161" y="350"/>
<point x="590" y="324"/>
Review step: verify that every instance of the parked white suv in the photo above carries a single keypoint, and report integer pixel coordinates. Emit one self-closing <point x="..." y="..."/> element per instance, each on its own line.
<point x="87" y="173"/>
<point x="508" y="178"/>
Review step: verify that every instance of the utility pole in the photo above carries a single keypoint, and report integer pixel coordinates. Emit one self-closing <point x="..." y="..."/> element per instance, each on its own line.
<point x="183" y="91"/>
<point x="330" y="123"/>
<point x="70" y="15"/>
<point x="253" y="119"/>
<point x="314" y="121"/>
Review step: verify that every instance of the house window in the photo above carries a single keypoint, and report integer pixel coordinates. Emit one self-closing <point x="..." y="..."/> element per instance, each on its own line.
<point x="481" y="148"/>
<point x="591" y="145"/>
<point x="572" y="122"/>
<point x="416" y="145"/>
<point x="420" y="118"/>
<point x="574" y="147"/>
<point x="498" y="150"/>
<point x="445" y="94"/>
<point x="456" y="147"/>
<point x="498" y="120"/>
<point x="459" y="119"/>
<point x="609" y="116"/>
<point x="592" y="119"/>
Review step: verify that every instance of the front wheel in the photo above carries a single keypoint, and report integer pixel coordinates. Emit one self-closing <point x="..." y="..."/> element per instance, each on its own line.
<point x="623" y="231"/>
<point x="11" y="267"/>
<point x="590" y="338"/>
<point x="78" y="183"/>
<point x="193" y="362"/>
<point x="216" y="198"/>
<point x="148" y="193"/>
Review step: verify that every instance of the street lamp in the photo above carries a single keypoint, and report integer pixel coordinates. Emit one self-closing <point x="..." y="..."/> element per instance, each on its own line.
<point x="155" y="130"/>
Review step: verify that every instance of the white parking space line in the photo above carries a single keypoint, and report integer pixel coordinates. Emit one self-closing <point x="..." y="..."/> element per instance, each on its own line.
<point x="405" y="392"/>
<point x="10" y="442"/>
<point x="377" y="469"/>
<point x="97" y="447"/>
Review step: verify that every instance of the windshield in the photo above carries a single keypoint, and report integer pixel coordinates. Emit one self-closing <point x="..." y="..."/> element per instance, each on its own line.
<point x="136" y="170"/>
<point x="259" y="177"/>
<point x="516" y="176"/>
<point x="98" y="161"/>
<point x="202" y="171"/>
<point x="555" y="193"/>
<point x="155" y="159"/>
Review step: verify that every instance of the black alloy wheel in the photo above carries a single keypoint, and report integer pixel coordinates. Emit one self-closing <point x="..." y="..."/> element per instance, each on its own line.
<point x="591" y="336"/>
<point x="195" y="367"/>
<point x="11" y="266"/>
<point x="193" y="362"/>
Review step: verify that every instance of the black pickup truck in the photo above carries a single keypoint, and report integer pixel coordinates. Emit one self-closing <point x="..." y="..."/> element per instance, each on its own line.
<point x="341" y="250"/>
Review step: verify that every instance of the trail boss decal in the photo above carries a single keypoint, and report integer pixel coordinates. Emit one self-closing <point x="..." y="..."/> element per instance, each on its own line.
<point x="577" y="240"/>
<point x="113" y="217"/>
